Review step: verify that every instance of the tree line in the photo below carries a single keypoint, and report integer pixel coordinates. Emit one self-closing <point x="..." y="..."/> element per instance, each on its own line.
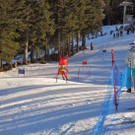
<point x="48" y="26"/>
<point x="44" y="25"/>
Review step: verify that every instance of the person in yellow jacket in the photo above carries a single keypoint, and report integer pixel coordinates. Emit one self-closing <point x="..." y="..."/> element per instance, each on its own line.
<point x="62" y="72"/>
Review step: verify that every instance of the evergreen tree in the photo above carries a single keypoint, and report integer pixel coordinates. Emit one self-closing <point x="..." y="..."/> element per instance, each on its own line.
<point x="27" y="21"/>
<point x="73" y="18"/>
<point x="36" y="26"/>
<point x="80" y="12"/>
<point x="8" y="27"/>
<point x="42" y="28"/>
<point x="93" y="18"/>
<point x="67" y="22"/>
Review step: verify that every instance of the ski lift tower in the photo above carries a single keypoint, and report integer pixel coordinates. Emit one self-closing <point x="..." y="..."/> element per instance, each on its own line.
<point x="125" y="4"/>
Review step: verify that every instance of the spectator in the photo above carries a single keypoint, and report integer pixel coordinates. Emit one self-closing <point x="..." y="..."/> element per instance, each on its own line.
<point x="91" y="46"/>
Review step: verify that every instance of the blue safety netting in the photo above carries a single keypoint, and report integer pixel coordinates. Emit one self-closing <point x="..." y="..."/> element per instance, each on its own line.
<point x="109" y="105"/>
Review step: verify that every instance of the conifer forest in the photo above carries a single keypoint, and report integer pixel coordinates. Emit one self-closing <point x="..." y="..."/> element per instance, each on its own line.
<point x="51" y="26"/>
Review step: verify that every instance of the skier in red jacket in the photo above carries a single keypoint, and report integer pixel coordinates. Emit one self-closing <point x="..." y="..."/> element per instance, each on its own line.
<point x="91" y="46"/>
<point x="62" y="72"/>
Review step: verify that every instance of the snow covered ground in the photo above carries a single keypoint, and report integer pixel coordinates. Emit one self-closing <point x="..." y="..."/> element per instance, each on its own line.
<point x="34" y="104"/>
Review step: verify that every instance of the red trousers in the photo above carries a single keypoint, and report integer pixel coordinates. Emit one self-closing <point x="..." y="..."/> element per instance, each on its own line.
<point x="63" y="74"/>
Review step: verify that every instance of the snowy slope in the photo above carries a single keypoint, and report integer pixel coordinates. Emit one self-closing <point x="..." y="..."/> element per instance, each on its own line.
<point x="35" y="104"/>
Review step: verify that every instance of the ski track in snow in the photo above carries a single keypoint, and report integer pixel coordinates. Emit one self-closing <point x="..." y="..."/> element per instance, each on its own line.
<point x="34" y="104"/>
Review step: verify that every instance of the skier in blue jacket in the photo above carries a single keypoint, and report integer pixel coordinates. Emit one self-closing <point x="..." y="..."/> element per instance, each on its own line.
<point x="131" y="69"/>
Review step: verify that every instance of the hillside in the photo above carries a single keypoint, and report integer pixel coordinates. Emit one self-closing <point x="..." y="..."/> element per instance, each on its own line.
<point x="34" y="104"/>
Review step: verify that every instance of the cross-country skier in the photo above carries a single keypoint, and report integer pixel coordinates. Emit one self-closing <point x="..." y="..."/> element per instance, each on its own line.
<point x="62" y="72"/>
<point x="131" y="69"/>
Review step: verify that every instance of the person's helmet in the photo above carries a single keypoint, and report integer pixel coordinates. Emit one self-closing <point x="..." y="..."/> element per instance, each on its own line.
<point x="61" y="66"/>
